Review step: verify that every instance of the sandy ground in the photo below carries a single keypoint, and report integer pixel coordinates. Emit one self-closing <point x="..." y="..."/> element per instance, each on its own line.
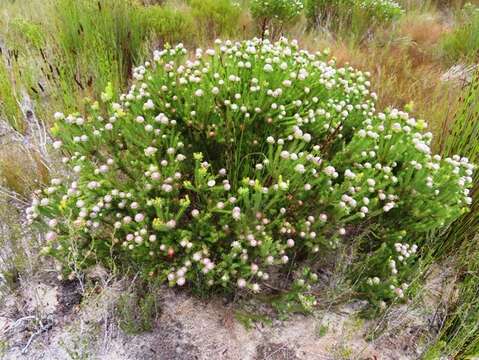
<point x="187" y="328"/>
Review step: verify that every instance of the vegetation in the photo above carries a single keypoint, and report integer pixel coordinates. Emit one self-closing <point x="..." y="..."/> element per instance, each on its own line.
<point x="248" y="132"/>
<point x="272" y="15"/>
<point x="360" y="15"/>
<point x="152" y="182"/>
<point x="462" y="44"/>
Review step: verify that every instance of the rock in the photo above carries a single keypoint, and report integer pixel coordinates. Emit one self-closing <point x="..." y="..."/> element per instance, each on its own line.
<point x="462" y="74"/>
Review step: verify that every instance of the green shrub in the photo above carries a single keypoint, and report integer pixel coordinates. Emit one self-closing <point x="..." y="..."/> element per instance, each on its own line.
<point x="137" y="310"/>
<point x="220" y="169"/>
<point x="459" y="336"/>
<point x="97" y="42"/>
<point x="168" y="24"/>
<point x="273" y="14"/>
<point x="9" y="109"/>
<point x="356" y="16"/>
<point x="462" y="137"/>
<point x="463" y="42"/>
<point x="381" y="10"/>
<point x="216" y="17"/>
<point x="31" y="33"/>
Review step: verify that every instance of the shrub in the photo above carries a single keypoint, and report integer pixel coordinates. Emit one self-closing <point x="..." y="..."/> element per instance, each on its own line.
<point x="167" y="23"/>
<point x="355" y="16"/>
<point x="216" y="17"/>
<point x="462" y="136"/>
<point x="9" y="108"/>
<point x="381" y="10"/>
<point x="463" y="42"/>
<point x="273" y="14"/>
<point x="97" y="42"/>
<point x="217" y="171"/>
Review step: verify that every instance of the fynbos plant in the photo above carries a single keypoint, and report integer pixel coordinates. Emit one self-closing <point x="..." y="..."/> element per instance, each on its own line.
<point x="273" y="14"/>
<point x="216" y="170"/>
<point x="359" y="14"/>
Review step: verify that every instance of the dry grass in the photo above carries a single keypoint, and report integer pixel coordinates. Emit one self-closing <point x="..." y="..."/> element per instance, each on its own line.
<point x="22" y="170"/>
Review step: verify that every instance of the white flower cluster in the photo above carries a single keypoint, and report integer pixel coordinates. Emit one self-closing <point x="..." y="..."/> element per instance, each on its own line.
<point x="214" y="169"/>
<point x="382" y="9"/>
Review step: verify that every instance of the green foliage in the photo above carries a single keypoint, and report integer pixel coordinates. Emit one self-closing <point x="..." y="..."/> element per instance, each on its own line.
<point x="137" y="311"/>
<point x="462" y="137"/>
<point x="218" y="171"/>
<point x="273" y="14"/>
<point x="299" y="298"/>
<point x="98" y="42"/>
<point x="13" y="260"/>
<point x="459" y="336"/>
<point x="9" y="108"/>
<point x="381" y="11"/>
<point x="32" y="33"/>
<point x="168" y="24"/>
<point x="352" y="16"/>
<point x="462" y="44"/>
<point x="321" y="330"/>
<point x="216" y="17"/>
<point x="249" y="319"/>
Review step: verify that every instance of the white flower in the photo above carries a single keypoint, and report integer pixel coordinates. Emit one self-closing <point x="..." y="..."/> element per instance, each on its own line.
<point x="268" y="68"/>
<point x="423" y="148"/>
<point x="57" y="144"/>
<point x="149" y="105"/>
<point x="329" y="170"/>
<point x="139" y="217"/>
<point x="52" y="223"/>
<point x="150" y="150"/>
<point x="51" y="236"/>
<point x="236" y="213"/>
<point x="300" y="169"/>
<point x="349" y="174"/>
<point x="241" y="283"/>
<point x="199" y="93"/>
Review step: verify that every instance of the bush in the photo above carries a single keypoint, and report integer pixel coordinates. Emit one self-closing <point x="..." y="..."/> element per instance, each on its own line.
<point x="463" y="43"/>
<point x="216" y="17"/>
<point x="98" y="42"/>
<point x="357" y="16"/>
<point x="167" y="23"/>
<point x="219" y="170"/>
<point x="381" y="11"/>
<point x="273" y="14"/>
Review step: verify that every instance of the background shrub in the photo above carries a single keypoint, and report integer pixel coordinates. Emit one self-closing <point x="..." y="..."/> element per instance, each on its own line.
<point x="462" y="44"/>
<point x="274" y="14"/>
<point x="168" y="24"/>
<point x="216" y="17"/>
<point x="351" y="16"/>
